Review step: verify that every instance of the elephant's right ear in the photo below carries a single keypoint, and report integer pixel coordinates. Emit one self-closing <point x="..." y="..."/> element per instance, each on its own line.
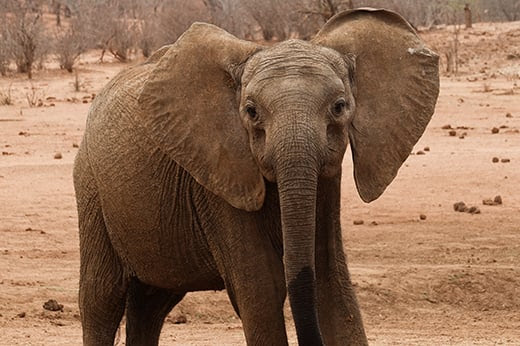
<point x="189" y="104"/>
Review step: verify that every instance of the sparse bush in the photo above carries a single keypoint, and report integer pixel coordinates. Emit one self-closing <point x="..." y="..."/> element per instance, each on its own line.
<point x="70" y="41"/>
<point x="24" y="33"/>
<point x="77" y="84"/>
<point x="34" y="97"/>
<point x="114" y="26"/>
<point x="5" y="97"/>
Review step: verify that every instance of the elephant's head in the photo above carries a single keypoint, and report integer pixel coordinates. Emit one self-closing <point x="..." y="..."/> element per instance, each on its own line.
<point x="234" y="113"/>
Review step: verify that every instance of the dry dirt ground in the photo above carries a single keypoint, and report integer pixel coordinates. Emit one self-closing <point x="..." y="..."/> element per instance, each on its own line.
<point x="452" y="278"/>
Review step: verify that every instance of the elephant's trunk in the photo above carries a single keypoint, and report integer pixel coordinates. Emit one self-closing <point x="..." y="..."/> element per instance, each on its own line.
<point x="297" y="170"/>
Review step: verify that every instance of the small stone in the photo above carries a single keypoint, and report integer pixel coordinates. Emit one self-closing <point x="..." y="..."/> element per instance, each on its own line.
<point x="505" y="160"/>
<point x="488" y="201"/>
<point x="179" y="319"/>
<point x="452" y="133"/>
<point x="422" y="217"/>
<point x="420" y="152"/>
<point x="21" y="315"/>
<point x="498" y="200"/>
<point x="495" y="130"/>
<point x="58" y="156"/>
<point x="446" y="127"/>
<point x="23" y="133"/>
<point x="75" y="145"/>
<point x="358" y="222"/>
<point x="459" y="206"/>
<point x="85" y="101"/>
<point x="374" y="223"/>
<point x="509" y="115"/>
<point x="495" y="159"/>
<point x="52" y="305"/>
<point x="426" y="149"/>
<point x="503" y="127"/>
<point x="474" y="210"/>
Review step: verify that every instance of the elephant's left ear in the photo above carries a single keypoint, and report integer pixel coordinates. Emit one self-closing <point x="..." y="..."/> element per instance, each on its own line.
<point x="397" y="83"/>
<point x="189" y="104"/>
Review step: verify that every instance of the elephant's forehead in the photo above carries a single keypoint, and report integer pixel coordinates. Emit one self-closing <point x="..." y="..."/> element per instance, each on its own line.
<point x="293" y="58"/>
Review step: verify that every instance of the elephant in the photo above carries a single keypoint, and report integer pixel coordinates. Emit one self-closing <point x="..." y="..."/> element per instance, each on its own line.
<point x="216" y="164"/>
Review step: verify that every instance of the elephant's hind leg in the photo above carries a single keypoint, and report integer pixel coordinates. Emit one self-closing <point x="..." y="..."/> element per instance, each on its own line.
<point x="147" y="307"/>
<point x="102" y="286"/>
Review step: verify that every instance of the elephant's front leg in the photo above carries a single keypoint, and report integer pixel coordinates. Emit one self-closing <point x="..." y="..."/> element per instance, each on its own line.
<point x="338" y="310"/>
<point x="253" y="275"/>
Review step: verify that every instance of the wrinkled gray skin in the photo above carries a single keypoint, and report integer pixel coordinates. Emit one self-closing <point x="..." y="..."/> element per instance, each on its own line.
<point x="155" y="224"/>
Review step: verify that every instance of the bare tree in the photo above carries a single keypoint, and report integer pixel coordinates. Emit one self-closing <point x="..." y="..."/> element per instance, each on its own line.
<point x="71" y="40"/>
<point x="170" y="19"/>
<point x="113" y="26"/>
<point x="234" y="17"/>
<point x="273" y="17"/>
<point x="24" y="33"/>
<point x="510" y="9"/>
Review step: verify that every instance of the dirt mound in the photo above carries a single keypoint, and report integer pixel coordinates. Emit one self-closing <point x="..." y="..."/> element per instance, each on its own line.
<point x="486" y="290"/>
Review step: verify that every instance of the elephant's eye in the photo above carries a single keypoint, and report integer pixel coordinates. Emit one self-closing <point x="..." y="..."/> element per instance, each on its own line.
<point x="251" y="111"/>
<point x="339" y="107"/>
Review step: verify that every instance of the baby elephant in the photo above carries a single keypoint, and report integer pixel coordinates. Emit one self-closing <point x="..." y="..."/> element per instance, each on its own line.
<point x="216" y="164"/>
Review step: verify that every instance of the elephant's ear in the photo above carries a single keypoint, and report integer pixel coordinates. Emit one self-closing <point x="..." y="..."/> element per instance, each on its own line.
<point x="397" y="84"/>
<point x="189" y="103"/>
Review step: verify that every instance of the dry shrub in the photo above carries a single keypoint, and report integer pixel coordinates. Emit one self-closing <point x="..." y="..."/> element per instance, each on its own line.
<point x="23" y="34"/>
<point x="5" y="97"/>
<point x="34" y="96"/>
<point x="71" y="40"/>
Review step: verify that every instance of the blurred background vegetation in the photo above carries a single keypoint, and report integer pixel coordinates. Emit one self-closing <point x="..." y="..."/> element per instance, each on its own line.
<point x="34" y="31"/>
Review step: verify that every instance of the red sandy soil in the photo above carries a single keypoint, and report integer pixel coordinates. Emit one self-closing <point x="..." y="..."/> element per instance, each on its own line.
<point x="453" y="278"/>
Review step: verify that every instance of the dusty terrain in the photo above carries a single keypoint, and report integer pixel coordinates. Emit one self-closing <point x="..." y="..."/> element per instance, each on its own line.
<point x="452" y="278"/>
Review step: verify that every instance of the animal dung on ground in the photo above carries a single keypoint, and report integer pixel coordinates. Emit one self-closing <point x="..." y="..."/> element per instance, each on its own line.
<point x="179" y="319"/>
<point x="452" y="133"/>
<point x="461" y="207"/>
<point x="52" y="305"/>
<point x="495" y="130"/>
<point x="446" y="127"/>
<point x="505" y="160"/>
<point x="358" y="222"/>
<point x="426" y="149"/>
<point x="75" y="145"/>
<point x="496" y="201"/>
<point x="474" y="210"/>
<point x="420" y="152"/>
<point x="58" y="156"/>
<point x="422" y="217"/>
<point x="495" y="159"/>
<point x="509" y="115"/>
